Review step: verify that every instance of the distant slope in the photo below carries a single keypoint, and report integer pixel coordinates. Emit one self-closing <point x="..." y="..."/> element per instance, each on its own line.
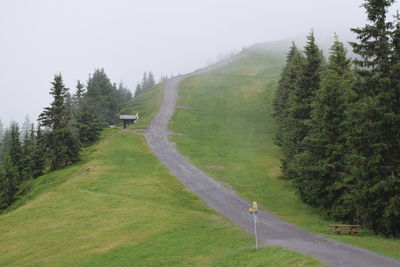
<point x="226" y="119"/>
<point x="146" y="105"/>
<point x="122" y="208"/>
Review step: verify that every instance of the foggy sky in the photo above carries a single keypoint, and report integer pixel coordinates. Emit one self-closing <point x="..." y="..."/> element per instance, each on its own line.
<point x="39" y="38"/>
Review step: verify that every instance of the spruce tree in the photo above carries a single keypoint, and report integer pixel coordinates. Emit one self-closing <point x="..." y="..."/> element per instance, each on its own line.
<point x="1" y="131"/>
<point x="102" y="98"/>
<point x="40" y="153"/>
<point x="150" y="80"/>
<point x="138" y="89"/>
<point x="374" y="119"/>
<point x="87" y="125"/>
<point x="322" y="163"/>
<point x="10" y="177"/>
<point x="80" y="90"/>
<point x="299" y="110"/>
<point x="289" y="75"/>
<point x="63" y="148"/>
<point x="27" y="156"/>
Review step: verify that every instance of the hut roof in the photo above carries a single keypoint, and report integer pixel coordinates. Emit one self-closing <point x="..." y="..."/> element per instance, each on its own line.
<point x="127" y="117"/>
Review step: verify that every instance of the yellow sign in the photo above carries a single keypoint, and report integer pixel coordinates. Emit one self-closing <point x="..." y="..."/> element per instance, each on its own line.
<point x="254" y="208"/>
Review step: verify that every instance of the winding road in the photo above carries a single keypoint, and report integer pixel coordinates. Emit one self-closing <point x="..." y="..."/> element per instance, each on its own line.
<point x="272" y="231"/>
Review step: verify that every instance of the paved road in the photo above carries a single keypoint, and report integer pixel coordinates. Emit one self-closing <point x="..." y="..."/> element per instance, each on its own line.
<point x="271" y="230"/>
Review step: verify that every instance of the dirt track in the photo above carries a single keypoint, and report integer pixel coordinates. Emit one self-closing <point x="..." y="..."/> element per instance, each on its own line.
<point x="271" y="230"/>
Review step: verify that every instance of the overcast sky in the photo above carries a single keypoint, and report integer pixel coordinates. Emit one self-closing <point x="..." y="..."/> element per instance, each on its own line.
<point x="39" y="38"/>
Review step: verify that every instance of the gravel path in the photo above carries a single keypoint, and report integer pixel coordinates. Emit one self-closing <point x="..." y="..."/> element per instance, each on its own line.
<point x="272" y="231"/>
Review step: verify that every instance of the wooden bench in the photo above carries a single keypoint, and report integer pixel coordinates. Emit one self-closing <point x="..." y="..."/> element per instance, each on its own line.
<point x="345" y="228"/>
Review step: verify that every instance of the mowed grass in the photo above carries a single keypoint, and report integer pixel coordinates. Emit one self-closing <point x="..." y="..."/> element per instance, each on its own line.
<point x="120" y="207"/>
<point x="230" y="132"/>
<point x="146" y="105"/>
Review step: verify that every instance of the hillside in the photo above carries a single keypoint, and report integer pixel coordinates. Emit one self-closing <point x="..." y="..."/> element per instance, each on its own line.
<point x="225" y="116"/>
<point x="120" y="207"/>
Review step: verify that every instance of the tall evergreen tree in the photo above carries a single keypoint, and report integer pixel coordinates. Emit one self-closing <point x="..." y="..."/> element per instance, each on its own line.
<point x="1" y="131"/>
<point x="87" y="125"/>
<point x="138" y="89"/>
<point x="288" y="80"/>
<point x="80" y="90"/>
<point x="148" y="82"/>
<point x="374" y="119"/>
<point x="27" y="155"/>
<point x="102" y="98"/>
<point x="322" y="163"/>
<point x="63" y="148"/>
<point x="39" y="154"/>
<point x="299" y="110"/>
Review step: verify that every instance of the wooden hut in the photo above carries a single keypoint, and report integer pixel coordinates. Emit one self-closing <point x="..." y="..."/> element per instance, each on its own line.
<point x="129" y="119"/>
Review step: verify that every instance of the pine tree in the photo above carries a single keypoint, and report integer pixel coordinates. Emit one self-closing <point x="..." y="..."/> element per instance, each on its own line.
<point x="27" y="157"/>
<point x="62" y="146"/>
<point x="150" y="80"/>
<point x="124" y="94"/>
<point x="9" y="179"/>
<point x="288" y="80"/>
<point x="138" y="89"/>
<point x="322" y="163"/>
<point x="1" y="131"/>
<point x="80" y="90"/>
<point x="14" y="148"/>
<point x="10" y="165"/>
<point x="39" y="154"/>
<point x="298" y="115"/>
<point x="102" y="98"/>
<point x="144" y="82"/>
<point x="374" y="133"/>
<point x="88" y="126"/>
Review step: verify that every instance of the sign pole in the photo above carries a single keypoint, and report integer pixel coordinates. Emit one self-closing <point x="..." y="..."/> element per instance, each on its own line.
<point x="255" y="228"/>
<point x="253" y="210"/>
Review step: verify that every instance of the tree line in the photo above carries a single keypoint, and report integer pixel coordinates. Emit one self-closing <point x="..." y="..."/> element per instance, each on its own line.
<point x="339" y="124"/>
<point x="70" y="122"/>
<point x="147" y="82"/>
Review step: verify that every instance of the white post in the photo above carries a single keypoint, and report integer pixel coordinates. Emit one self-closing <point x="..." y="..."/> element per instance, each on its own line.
<point x="255" y="228"/>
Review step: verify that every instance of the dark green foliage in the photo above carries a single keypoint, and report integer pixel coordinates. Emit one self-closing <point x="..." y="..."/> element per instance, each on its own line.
<point x="375" y="123"/>
<point x="62" y="146"/>
<point x="301" y="95"/>
<point x="102" y="98"/>
<point x="9" y="176"/>
<point x="322" y="164"/>
<point x="10" y="165"/>
<point x="288" y="83"/>
<point x="79" y="93"/>
<point x="339" y="128"/>
<point x="28" y="153"/>
<point x="39" y="154"/>
<point x="87" y="126"/>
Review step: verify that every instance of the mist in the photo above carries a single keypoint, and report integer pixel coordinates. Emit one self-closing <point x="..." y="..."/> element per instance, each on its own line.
<point x="43" y="37"/>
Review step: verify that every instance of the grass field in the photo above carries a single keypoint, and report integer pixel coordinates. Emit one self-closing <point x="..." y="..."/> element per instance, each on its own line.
<point x="146" y="104"/>
<point x="120" y="207"/>
<point x="230" y="133"/>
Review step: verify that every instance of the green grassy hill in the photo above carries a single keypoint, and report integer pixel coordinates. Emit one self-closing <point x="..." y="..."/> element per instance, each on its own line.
<point x="120" y="207"/>
<point x="229" y="134"/>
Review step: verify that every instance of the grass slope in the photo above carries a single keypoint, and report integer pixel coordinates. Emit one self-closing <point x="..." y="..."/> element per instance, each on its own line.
<point x="122" y="208"/>
<point x="230" y="136"/>
<point x="146" y="104"/>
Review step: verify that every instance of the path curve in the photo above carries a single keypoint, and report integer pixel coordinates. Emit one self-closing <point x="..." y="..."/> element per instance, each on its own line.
<point x="272" y="231"/>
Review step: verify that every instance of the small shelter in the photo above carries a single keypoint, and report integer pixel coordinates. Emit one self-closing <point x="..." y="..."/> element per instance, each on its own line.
<point x="129" y="119"/>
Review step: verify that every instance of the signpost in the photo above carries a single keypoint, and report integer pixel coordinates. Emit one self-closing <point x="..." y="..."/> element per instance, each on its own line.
<point x="253" y="210"/>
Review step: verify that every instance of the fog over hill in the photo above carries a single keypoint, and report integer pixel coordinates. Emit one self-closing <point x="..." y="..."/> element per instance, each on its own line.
<point x="43" y="37"/>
